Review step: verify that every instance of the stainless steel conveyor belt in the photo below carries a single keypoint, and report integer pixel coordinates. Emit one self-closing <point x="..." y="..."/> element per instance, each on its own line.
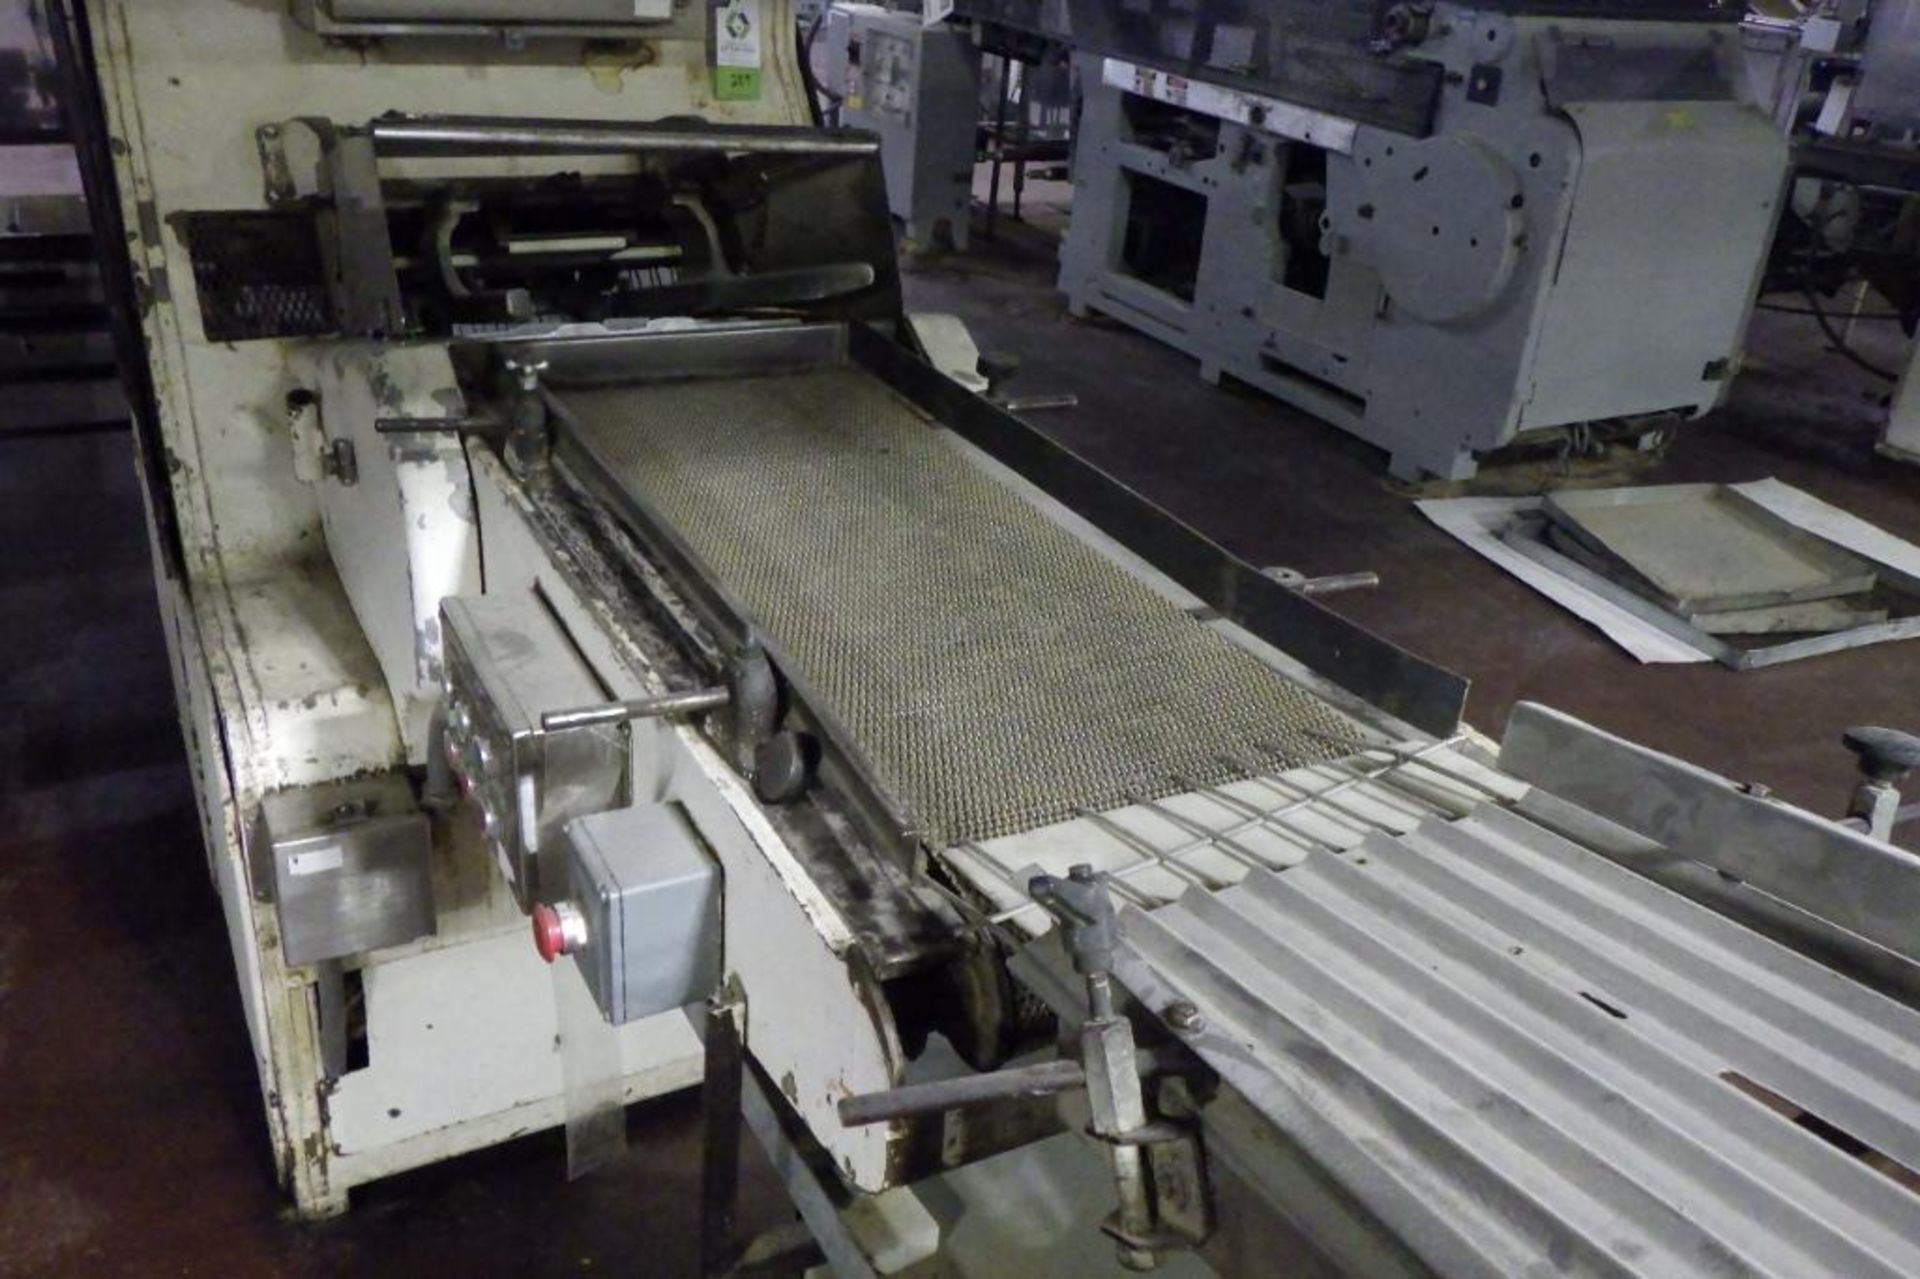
<point x="998" y="673"/>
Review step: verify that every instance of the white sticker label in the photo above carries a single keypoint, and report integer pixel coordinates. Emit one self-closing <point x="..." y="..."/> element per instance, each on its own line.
<point x="316" y="861"/>
<point x="737" y="40"/>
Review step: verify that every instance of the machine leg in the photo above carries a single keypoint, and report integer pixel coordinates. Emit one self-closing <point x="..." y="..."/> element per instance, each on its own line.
<point x="721" y="1128"/>
<point x="1902" y="438"/>
<point x="803" y="1167"/>
<point x="1020" y="156"/>
<point x="1414" y="467"/>
<point x="999" y="144"/>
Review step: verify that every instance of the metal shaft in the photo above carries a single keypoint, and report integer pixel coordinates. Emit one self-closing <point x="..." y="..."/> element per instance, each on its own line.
<point x="665" y="705"/>
<point x="1035" y="403"/>
<point x="1334" y="583"/>
<point x="999" y="145"/>
<point x="457" y="136"/>
<point x="1043" y="1080"/>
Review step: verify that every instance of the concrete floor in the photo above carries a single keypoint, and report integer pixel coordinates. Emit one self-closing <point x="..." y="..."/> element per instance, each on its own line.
<point x="131" y="1140"/>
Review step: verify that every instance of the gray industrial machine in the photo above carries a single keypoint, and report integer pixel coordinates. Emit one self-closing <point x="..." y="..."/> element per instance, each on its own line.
<point x="1439" y="227"/>
<point x="990" y="80"/>
<point x="918" y="88"/>
<point x="1889" y="97"/>
<point x="1844" y="80"/>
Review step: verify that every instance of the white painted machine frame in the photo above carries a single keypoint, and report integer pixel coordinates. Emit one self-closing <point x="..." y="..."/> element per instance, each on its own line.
<point x="300" y="615"/>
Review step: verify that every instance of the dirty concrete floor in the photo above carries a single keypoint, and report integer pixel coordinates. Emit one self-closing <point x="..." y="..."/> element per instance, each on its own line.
<point x="131" y="1141"/>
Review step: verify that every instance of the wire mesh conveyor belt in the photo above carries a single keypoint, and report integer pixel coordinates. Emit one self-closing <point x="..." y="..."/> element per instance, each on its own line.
<point x="998" y="673"/>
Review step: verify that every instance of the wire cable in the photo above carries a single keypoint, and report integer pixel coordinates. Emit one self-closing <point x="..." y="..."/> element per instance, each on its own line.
<point x="1878" y="317"/>
<point x="1840" y="343"/>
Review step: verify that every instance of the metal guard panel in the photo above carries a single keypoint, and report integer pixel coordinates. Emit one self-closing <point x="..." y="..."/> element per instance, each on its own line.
<point x="1514" y="1052"/>
<point x="1380" y="673"/>
<point x="1311" y="52"/>
<point x="1625" y="10"/>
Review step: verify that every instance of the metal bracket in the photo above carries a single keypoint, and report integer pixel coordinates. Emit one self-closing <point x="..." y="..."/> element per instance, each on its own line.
<point x="338" y="461"/>
<point x="1151" y="1217"/>
<point x="720" y="1098"/>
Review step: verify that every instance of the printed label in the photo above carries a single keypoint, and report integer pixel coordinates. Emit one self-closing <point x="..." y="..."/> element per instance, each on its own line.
<point x="316" y="861"/>
<point x="736" y="50"/>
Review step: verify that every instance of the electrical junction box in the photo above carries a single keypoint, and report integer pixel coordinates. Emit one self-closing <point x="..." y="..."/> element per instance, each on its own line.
<point x="918" y="88"/>
<point x="649" y="894"/>
<point x="348" y="867"/>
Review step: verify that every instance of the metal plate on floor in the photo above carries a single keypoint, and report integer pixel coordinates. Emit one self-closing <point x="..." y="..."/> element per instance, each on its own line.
<point x="1705" y="548"/>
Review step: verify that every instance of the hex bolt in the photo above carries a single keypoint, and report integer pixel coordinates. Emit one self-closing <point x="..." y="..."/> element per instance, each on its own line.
<point x="526" y="373"/>
<point x="1184" y="1017"/>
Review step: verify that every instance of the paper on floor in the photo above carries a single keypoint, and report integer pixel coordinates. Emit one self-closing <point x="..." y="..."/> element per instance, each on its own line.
<point x="1477" y="521"/>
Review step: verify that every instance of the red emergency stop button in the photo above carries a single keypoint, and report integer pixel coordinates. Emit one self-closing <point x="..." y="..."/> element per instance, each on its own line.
<point x="558" y="930"/>
<point x="549" y="935"/>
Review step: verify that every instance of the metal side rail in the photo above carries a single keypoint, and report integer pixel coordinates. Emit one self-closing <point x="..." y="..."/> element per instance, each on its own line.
<point x="1507" y="1048"/>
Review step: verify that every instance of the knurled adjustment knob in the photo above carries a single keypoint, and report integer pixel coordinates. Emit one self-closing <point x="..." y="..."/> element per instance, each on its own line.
<point x="997" y="367"/>
<point x="1886" y="754"/>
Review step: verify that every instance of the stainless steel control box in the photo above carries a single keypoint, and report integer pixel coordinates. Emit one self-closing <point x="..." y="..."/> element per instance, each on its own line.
<point x="347" y="866"/>
<point x="507" y="664"/>
<point x="650" y="895"/>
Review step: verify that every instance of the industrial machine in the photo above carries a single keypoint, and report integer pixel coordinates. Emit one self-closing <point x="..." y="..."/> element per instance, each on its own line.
<point x="1439" y="226"/>
<point x="945" y="88"/>
<point x="56" y="360"/>
<point x="1844" y="77"/>
<point x="916" y="86"/>
<point x="560" y="530"/>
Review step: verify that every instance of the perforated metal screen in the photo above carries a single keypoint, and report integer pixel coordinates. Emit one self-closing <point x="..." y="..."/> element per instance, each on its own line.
<point x="258" y="275"/>
<point x="999" y="673"/>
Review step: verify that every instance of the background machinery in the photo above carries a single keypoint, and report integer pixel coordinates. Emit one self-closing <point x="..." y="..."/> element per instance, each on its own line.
<point x="1471" y="222"/>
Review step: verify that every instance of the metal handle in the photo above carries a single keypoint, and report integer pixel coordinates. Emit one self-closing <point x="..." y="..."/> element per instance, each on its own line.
<point x="660" y="706"/>
<point x="1017" y="404"/>
<point x="457" y="136"/>
<point x="1334" y="583"/>
<point x="1042" y="1080"/>
<point x="435" y="425"/>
